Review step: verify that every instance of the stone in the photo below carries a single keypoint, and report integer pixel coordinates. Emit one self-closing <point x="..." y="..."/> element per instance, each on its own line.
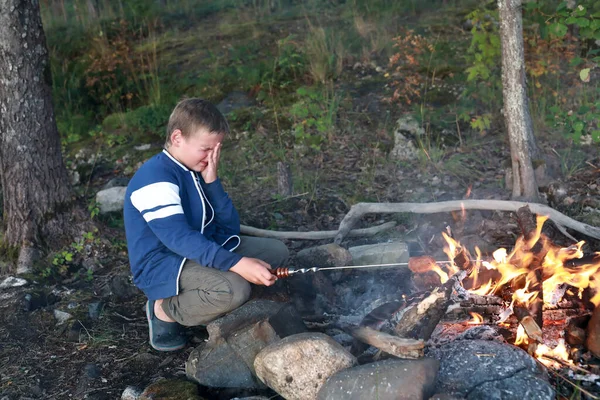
<point x="226" y="360"/>
<point x="61" y="316"/>
<point x="131" y="393"/>
<point x="94" y="310"/>
<point x="381" y="253"/>
<point x="404" y="148"/>
<point x="249" y="313"/>
<point x="92" y="371"/>
<point x="122" y="287"/>
<point x="143" y="147"/>
<point x="391" y="379"/>
<point x="251" y="398"/>
<point x="328" y="255"/>
<point x="12" y="281"/>
<point x="171" y="389"/>
<point x="479" y="369"/>
<point x="111" y="200"/>
<point x="592" y="341"/>
<point x="297" y="367"/>
<point x="119" y="181"/>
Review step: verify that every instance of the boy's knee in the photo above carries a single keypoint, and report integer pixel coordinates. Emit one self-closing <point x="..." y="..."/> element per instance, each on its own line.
<point x="280" y="253"/>
<point x="240" y="289"/>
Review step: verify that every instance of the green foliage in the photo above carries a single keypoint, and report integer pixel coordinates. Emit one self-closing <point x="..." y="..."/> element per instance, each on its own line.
<point x="141" y="121"/>
<point x="577" y="123"/>
<point x="314" y="115"/>
<point x="289" y="67"/>
<point x="67" y="260"/>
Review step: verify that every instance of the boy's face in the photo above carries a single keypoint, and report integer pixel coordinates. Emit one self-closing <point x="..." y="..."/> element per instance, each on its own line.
<point x="193" y="151"/>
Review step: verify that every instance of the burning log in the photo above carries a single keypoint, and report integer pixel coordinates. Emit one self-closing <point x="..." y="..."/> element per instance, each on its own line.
<point x="533" y="330"/>
<point x="394" y="345"/>
<point x="531" y="234"/>
<point x="418" y="319"/>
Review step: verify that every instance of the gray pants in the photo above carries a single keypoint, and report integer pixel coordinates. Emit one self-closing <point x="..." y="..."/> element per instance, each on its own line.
<point x="207" y="293"/>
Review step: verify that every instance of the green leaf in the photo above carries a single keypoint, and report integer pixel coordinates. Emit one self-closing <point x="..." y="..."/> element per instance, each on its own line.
<point x="575" y="61"/>
<point x="596" y="136"/>
<point x="583" y="22"/>
<point x="562" y="6"/>
<point x="578" y="126"/>
<point x="584" y="74"/>
<point x="571" y="20"/>
<point x="531" y="5"/>
<point x="558" y="29"/>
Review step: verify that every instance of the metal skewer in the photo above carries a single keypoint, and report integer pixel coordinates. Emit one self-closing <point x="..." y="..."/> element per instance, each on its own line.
<point x="285" y="272"/>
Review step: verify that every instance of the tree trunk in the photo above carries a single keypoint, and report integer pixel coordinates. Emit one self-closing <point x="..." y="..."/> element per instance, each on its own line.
<point x="37" y="196"/>
<point x="516" y="105"/>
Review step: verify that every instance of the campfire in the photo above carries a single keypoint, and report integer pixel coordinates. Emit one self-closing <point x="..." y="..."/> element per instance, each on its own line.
<point x="534" y="290"/>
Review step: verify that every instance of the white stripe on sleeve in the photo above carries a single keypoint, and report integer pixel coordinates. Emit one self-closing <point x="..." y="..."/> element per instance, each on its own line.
<point x="163" y="213"/>
<point x="155" y="195"/>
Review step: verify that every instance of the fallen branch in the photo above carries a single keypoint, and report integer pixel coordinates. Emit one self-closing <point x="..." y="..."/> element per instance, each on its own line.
<point x="248" y="230"/>
<point x="360" y="209"/>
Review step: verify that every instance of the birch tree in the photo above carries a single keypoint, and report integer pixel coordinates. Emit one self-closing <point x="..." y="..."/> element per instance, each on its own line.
<point x="523" y="149"/>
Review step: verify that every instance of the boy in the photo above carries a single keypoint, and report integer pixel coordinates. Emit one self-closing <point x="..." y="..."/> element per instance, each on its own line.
<point x="182" y="231"/>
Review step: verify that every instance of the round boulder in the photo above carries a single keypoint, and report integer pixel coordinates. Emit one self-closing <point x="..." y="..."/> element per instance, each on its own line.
<point x="297" y="366"/>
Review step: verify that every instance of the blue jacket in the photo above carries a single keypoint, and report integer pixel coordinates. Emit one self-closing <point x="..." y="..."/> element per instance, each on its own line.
<point x="172" y="215"/>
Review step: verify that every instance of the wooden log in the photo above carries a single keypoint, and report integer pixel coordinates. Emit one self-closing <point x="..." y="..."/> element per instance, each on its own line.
<point x="360" y="209"/>
<point x="319" y="235"/>
<point x="528" y="223"/>
<point x="394" y="345"/>
<point x="419" y="319"/>
<point x="533" y="330"/>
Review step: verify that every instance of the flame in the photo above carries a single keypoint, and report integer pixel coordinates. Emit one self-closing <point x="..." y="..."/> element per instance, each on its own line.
<point x="531" y="258"/>
<point x="477" y="319"/>
<point x="522" y="337"/>
<point x="559" y="352"/>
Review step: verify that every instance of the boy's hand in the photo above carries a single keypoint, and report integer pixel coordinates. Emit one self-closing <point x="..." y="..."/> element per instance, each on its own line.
<point x="254" y="271"/>
<point x="210" y="172"/>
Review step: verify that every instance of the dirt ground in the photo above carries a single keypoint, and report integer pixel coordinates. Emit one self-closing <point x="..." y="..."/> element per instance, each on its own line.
<point x="97" y="357"/>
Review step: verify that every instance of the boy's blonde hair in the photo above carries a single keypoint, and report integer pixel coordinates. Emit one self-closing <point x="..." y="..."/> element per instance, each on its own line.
<point x="189" y="115"/>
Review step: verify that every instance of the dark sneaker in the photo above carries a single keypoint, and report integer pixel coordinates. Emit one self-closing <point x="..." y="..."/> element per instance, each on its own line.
<point x="164" y="336"/>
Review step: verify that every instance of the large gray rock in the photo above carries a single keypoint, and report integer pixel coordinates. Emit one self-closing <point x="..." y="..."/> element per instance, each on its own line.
<point x="482" y="370"/>
<point x="226" y="360"/>
<point x="391" y="379"/>
<point x="381" y="253"/>
<point x="111" y="200"/>
<point x="297" y="366"/>
<point x="328" y="255"/>
<point x="248" y="314"/>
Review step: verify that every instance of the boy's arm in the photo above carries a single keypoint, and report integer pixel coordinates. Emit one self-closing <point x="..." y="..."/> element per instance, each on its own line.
<point x="160" y="206"/>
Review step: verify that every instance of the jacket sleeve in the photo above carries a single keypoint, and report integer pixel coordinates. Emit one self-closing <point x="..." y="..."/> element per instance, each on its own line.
<point x="226" y="216"/>
<point x="160" y="206"/>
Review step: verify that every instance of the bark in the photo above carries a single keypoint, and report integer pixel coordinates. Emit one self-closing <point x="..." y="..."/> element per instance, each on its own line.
<point x="37" y="196"/>
<point x="517" y="117"/>
<point x="284" y="179"/>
